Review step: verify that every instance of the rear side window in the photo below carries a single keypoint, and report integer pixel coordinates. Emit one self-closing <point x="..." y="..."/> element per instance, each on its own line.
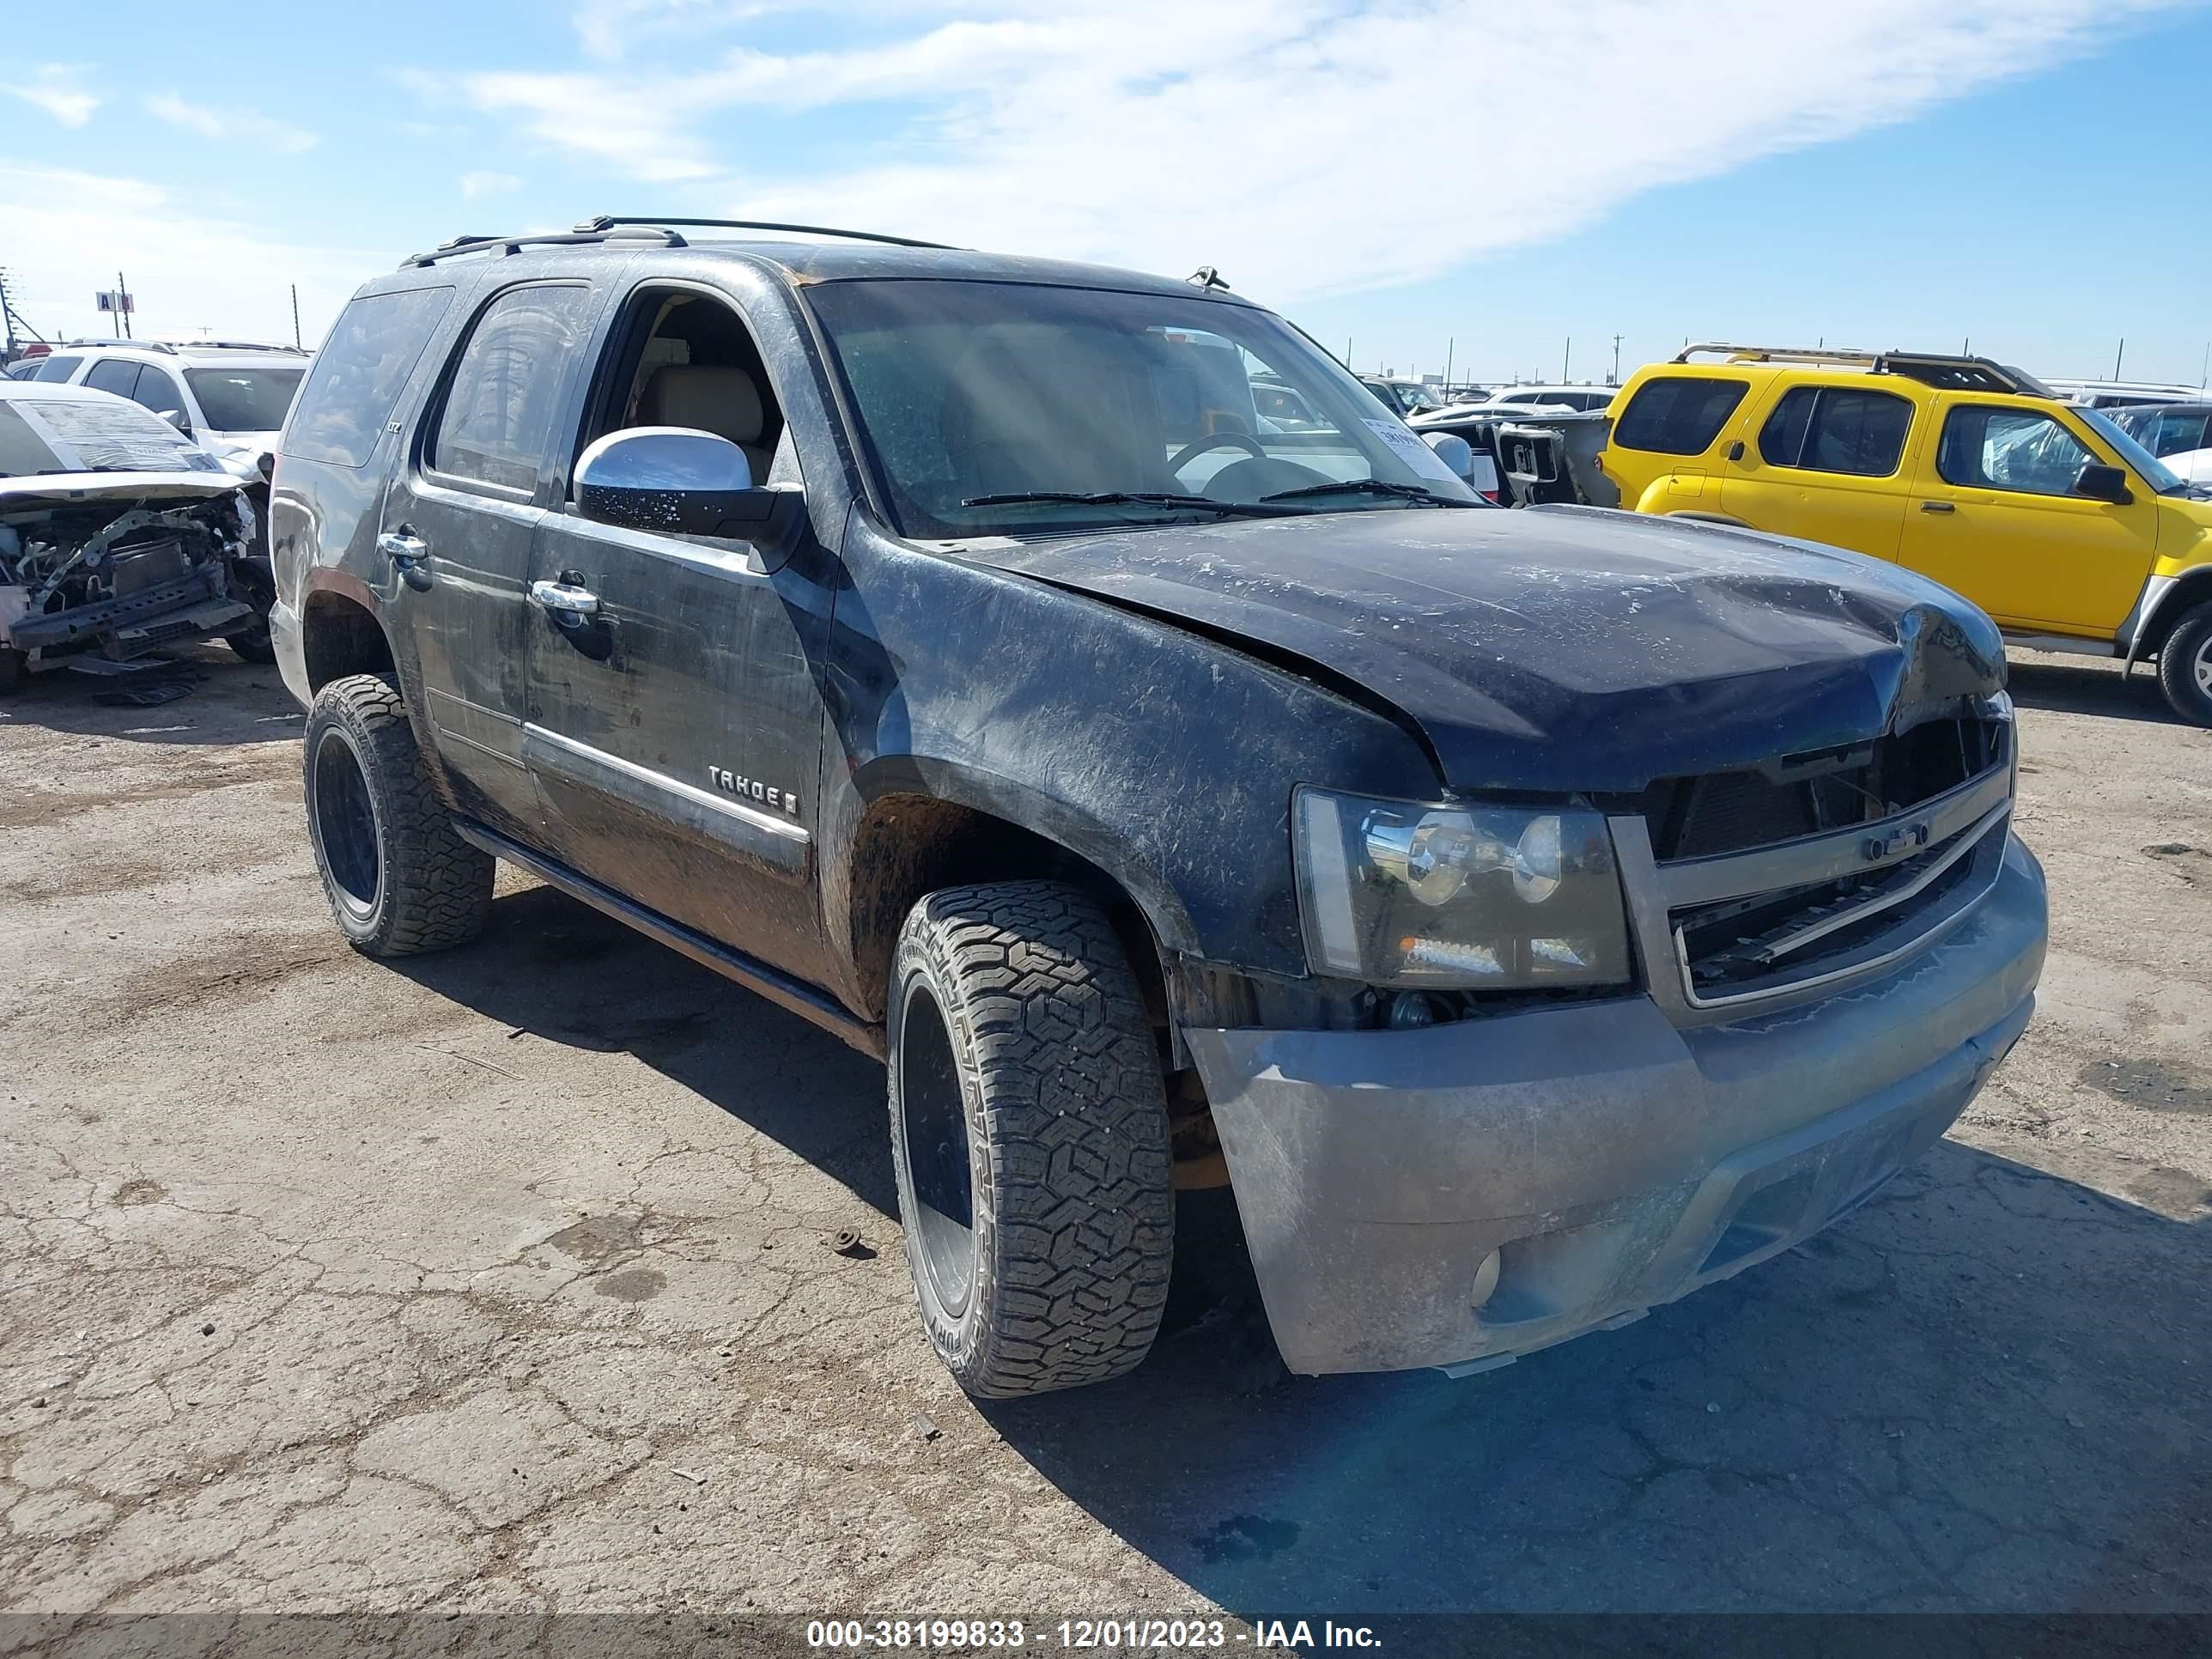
<point x="116" y="375"/>
<point x="506" y="389"/>
<point x="56" y="368"/>
<point x="1825" y="428"/>
<point x="1678" y="415"/>
<point x="359" y="373"/>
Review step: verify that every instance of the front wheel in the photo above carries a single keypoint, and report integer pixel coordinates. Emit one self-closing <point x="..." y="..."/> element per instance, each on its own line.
<point x="1029" y="1139"/>
<point x="251" y="642"/>
<point x="399" y="879"/>
<point x="2184" y="667"/>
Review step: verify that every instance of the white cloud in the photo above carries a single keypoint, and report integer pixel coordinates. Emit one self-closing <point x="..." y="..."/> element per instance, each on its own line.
<point x="187" y="269"/>
<point x="239" y="126"/>
<point x="54" y="88"/>
<point x="484" y="182"/>
<point x="1305" y="146"/>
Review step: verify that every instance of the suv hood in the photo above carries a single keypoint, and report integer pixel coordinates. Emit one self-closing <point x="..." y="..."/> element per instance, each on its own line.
<point x="1561" y="650"/>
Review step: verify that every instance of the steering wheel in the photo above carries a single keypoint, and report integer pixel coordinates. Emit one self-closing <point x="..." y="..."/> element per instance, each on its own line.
<point x="1191" y="451"/>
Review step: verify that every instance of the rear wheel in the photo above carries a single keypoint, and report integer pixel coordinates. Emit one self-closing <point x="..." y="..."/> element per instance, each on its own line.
<point x="399" y="880"/>
<point x="1029" y="1138"/>
<point x="251" y="642"/>
<point x="2184" y="667"/>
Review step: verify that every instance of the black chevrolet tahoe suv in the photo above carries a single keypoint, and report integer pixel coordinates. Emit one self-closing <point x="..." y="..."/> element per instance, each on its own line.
<point x="1531" y="916"/>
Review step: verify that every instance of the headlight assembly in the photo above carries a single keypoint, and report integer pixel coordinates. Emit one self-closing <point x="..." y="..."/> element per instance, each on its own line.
<point x="1394" y="893"/>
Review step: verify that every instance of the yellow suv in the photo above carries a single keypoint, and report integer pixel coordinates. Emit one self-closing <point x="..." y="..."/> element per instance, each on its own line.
<point x="2068" y="531"/>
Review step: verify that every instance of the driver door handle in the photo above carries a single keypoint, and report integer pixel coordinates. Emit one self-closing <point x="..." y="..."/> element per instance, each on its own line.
<point x="568" y="603"/>
<point x="1937" y="507"/>
<point x="408" y="553"/>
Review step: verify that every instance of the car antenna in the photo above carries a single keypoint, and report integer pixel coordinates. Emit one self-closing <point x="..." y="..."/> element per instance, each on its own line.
<point x="1205" y="276"/>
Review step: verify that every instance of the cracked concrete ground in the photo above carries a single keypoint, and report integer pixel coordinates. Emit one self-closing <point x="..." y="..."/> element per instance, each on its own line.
<point x="499" y="1280"/>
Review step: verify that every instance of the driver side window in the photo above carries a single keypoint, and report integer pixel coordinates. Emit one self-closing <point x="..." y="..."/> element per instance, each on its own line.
<point x="2017" y="450"/>
<point x="686" y="359"/>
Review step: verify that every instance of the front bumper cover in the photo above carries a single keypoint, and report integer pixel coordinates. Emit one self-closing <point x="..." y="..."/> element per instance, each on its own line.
<point x="1610" y="1158"/>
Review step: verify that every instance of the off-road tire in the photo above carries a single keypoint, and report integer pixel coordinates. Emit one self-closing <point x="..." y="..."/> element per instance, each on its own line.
<point x="2184" y="667"/>
<point x="1060" y="1091"/>
<point x="427" y="888"/>
<point x="14" y="669"/>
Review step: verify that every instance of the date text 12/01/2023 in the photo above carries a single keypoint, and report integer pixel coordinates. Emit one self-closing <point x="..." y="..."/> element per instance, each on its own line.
<point x="1113" y="1635"/>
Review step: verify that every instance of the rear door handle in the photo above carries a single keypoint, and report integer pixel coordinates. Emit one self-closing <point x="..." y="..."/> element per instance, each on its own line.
<point x="570" y="605"/>
<point x="1937" y="507"/>
<point x="407" y="552"/>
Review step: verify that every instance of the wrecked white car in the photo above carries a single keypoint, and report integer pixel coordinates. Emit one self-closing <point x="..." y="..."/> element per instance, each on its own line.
<point x="117" y="536"/>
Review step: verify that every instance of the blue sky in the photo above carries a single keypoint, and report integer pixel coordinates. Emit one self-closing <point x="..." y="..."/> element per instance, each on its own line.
<point x="2028" y="174"/>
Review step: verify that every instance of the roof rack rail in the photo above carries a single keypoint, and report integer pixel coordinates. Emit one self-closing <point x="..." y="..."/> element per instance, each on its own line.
<point x="1937" y="369"/>
<point x="173" y="347"/>
<point x="608" y="222"/>
<point x="511" y="245"/>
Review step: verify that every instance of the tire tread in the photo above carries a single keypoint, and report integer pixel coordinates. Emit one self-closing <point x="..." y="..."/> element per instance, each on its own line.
<point x="2176" y="678"/>
<point x="1079" y="1237"/>
<point x="437" y="887"/>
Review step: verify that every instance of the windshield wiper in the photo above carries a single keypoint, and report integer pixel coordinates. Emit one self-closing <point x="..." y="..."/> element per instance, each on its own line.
<point x="1141" y="497"/>
<point x="1369" y="487"/>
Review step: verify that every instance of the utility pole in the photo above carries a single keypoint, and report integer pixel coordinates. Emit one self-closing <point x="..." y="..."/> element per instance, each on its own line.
<point x="1450" y="343"/>
<point x="2119" y="354"/>
<point x="1615" y="380"/>
<point x="13" y="318"/>
<point x="2205" y="375"/>
<point x="1566" y="357"/>
<point x="295" y="316"/>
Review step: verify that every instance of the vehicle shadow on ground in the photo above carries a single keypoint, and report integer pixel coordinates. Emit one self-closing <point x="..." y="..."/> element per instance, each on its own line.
<point x="230" y="701"/>
<point x="2065" y="687"/>
<point x="1986" y="1390"/>
<point x="771" y="1070"/>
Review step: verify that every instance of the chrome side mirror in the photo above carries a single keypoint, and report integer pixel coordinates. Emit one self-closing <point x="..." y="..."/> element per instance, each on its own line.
<point x="675" y="480"/>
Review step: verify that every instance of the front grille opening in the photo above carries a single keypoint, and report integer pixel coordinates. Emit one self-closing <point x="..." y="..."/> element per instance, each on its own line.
<point x="1733" y="945"/>
<point x="1808" y="794"/>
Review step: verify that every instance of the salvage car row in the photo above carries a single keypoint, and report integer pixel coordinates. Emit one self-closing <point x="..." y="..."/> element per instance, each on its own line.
<point x="134" y="488"/>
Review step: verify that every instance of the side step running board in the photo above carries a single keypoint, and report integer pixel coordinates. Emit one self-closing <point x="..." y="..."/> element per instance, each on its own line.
<point x="756" y="976"/>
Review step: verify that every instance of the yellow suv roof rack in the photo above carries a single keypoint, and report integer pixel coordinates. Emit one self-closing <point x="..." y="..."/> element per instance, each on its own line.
<point x="1936" y="369"/>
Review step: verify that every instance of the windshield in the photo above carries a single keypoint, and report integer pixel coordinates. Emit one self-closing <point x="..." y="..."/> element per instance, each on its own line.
<point x="92" y="435"/>
<point x="967" y="393"/>
<point x="244" y="399"/>
<point x="2156" y="473"/>
<point x="1415" y="396"/>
